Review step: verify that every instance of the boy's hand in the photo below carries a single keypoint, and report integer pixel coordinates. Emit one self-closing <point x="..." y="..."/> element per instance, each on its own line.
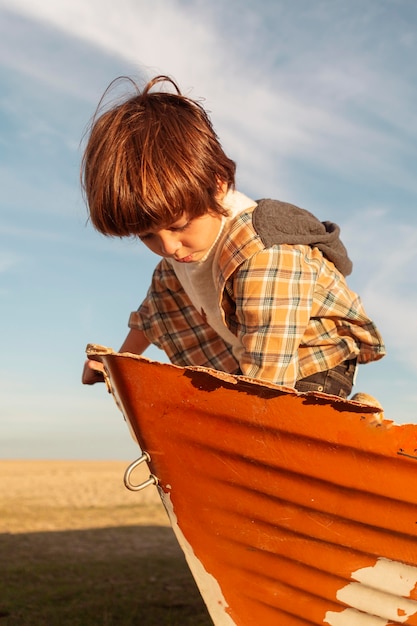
<point x="92" y="372"/>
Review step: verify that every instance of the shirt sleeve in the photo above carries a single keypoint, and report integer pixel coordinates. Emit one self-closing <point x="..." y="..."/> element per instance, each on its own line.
<point x="273" y="295"/>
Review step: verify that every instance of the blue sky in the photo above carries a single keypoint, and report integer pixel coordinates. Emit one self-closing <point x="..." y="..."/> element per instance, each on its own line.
<point x="317" y="103"/>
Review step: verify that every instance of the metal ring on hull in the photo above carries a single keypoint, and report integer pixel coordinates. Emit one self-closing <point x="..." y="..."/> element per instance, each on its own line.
<point x="152" y="480"/>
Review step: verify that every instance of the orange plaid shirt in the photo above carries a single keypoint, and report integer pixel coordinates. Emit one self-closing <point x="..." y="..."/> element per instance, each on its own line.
<point x="290" y="308"/>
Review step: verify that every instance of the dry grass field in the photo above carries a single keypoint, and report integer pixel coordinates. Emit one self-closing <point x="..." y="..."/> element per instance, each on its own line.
<point x="77" y="548"/>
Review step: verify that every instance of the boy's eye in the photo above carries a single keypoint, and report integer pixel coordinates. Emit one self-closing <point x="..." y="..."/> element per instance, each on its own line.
<point x="146" y="236"/>
<point x="179" y="229"/>
<point x="175" y="229"/>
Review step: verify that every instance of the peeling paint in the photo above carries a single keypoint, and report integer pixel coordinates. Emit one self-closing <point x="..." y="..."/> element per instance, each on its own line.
<point x="390" y="576"/>
<point x="351" y="617"/>
<point x="381" y="593"/>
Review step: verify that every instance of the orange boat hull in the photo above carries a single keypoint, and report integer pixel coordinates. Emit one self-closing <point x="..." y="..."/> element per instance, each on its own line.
<point x="292" y="509"/>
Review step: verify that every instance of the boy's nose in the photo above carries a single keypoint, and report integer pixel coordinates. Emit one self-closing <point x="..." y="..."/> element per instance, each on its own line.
<point x="169" y="244"/>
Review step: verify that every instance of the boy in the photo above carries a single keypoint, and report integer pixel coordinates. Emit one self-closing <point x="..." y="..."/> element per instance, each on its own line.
<point x="251" y="288"/>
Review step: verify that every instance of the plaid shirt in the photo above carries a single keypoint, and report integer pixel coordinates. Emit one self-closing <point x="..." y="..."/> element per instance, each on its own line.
<point x="289" y="307"/>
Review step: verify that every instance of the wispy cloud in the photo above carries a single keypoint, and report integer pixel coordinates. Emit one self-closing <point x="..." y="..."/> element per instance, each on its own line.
<point x="279" y="95"/>
<point x="332" y="101"/>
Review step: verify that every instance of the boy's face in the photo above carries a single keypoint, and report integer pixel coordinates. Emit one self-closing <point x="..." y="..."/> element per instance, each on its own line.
<point x="186" y="240"/>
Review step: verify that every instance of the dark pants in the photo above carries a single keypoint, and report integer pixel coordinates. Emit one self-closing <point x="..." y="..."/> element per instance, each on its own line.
<point x="338" y="381"/>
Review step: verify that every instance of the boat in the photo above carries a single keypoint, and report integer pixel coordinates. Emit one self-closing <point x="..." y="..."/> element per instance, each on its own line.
<point x="291" y="508"/>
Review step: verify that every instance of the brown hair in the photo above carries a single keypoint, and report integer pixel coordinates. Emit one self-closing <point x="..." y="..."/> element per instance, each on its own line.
<point x="149" y="160"/>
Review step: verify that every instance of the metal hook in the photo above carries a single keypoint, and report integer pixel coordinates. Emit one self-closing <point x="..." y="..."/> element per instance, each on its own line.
<point x="152" y="480"/>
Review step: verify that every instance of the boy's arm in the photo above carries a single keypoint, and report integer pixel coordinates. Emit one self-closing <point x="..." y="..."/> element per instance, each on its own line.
<point x="135" y="342"/>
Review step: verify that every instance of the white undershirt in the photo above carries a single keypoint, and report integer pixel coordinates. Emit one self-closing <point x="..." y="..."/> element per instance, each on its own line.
<point x="197" y="279"/>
